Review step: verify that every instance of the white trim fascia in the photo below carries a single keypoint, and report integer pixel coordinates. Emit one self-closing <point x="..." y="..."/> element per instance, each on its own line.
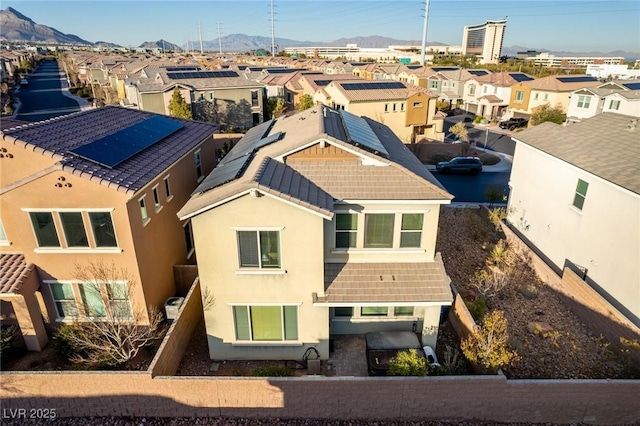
<point x="324" y="216"/>
<point x="261" y="271"/>
<point x="64" y="250"/>
<point x="387" y="201"/>
<point x="364" y="158"/>
<point x="258" y="228"/>
<point x="68" y="210"/>
<point x="378" y="304"/>
<point x="264" y="304"/>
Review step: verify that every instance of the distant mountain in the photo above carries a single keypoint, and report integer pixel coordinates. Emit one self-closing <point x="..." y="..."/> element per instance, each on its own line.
<point x="161" y="44"/>
<point x="16" y="26"/>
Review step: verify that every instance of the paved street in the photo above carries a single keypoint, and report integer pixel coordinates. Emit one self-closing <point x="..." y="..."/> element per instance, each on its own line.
<point x="43" y="97"/>
<point x="471" y="189"/>
<point x="493" y="137"/>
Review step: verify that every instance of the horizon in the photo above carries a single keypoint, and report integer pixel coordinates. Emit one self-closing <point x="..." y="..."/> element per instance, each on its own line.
<point x="569" y="26"/>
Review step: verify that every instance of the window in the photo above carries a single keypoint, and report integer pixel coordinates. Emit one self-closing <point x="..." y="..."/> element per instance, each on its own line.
<point x="402" y="107"/>
<point x="266" y="323"/>
<point x="519" y="96"/>
<point x="535" y="97"/>
<point x="433" y="84"/>
<point x="374" y="311"/>
<point x="118" y="299"/>
<point x="188" y="237"/>
<point x="394" y="107"/>
<point x="472" y="89"/>
<point x="259" y="249"/>
<point x="4" y="241"/>
<point x="346" y="230"/>
<point x="581" y="194"/>
<point x="378" y="230"/>
<point x="411" y="230"/>
<point x="484" y="89"/>
<point x="546" y="96"/>
<point x="403" y="311"/>
<point x="254" y="98"/>
<point x="614" y="105"/>
<point x="45" y="229"/>
<point x="417" y="104"/>
<point x="198" y="161"/>
<point x="64" y="300"/>
<point x="143" y="210"/>
<point x="74" y="231"/>
<point x="386" y="107"/>
<point x="343" y="312"/>
<point x="167" y="188"/>
<point x="103" y="232"/>
<point x="584" y="101"/>
<point x="156" y="198"/>
<point x="211" y="96"/>
<point x="92" y="300"/>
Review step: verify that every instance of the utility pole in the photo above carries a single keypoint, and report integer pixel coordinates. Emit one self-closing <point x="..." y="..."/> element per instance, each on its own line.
<point x="219" y="39"/>
<point x="200" y="31"/>
<point x="273" y="32"/>
<point x="424" y="32"/>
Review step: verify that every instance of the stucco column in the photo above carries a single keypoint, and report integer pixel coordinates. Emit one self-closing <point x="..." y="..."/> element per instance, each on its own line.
<point x="30" y="320"/>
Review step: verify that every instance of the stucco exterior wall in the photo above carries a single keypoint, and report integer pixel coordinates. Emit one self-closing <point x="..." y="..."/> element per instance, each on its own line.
<point x="20" y="162"/>
<point x="154" y="102"/>
<point x="603" y="237"/>
<point x="301" y="243"/>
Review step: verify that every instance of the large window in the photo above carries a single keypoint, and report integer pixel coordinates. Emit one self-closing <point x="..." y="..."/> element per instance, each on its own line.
<point x="118" y="299"/>
<point x="103" y="231"/>
<point x="584" y="101"/>
<point x="614" y="105"/>
<point x="519" y="96"/>
<point x="92" y="300"/>
<point x="346" y="230"/>
<point x="378" y="230"/>
<point x="411" y="230"/>
<point x="64" y="300"/>
<point x="581" y="194"/>
<point x="259" y="249"/>
<point x="266" y="323"/>
<point x="45" y="229"/>
<point x="74" y="229"/>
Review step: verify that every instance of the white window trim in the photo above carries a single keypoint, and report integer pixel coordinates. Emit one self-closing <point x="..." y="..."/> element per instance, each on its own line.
<point x="193" y="244"/>
<point x="252" y="342"/>
<point x="260" y="270"/>
<point x="144" y="220"/>
<point x="356" y="316"/>
<point x="77" y="297"/>
<point x="63" y="250"/>
<point x="156" y="194"/>
<point x="167" y="184"/>
<point x="197" y="156"/>
<point x="4" y="242"/>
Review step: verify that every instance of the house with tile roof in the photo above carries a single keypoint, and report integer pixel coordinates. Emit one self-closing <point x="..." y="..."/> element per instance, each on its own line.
<point x="99" y="185"/>
<point x="488" y="95"/>
<point x="555" y="90"/>
<point x="409" y="111"/>
<point x="575" y="198"/>
<point x="448" y="82"/>
<point x="618" y="97"/>
<point x="311" y="82"/>
<point x="315" y="224"/>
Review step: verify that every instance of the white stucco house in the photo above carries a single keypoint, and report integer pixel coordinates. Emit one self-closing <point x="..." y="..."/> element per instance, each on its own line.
<point x="575" y="198"/>
<point x="316" y="224"/>
<point x="619" y="97"/>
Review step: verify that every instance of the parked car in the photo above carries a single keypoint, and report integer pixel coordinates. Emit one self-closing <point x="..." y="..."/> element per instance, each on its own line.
<point x="513" y="123"/>
<point x="471" y="165"/>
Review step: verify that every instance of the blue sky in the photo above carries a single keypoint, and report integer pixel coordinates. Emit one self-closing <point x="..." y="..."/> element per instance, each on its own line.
<point x="570" y="25"/>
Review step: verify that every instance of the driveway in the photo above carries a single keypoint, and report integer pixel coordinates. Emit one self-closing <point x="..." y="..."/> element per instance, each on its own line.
<point x="492" y="137"/>
<point x="46" y="96"/>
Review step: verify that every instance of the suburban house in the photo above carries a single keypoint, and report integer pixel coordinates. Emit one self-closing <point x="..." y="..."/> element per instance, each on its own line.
<point x="234" y="99"/>
<point x="409" y="111"/>
<point x="309" y="83"/>
<point x="488" y="95"/>
<point x="620" y="97"/>
<point x="582" y="209"/>
<point x="315" y="224"/>
<point x="102" y="185"/>
<point x="527" y="96"/>
<point x="448" y="83"/>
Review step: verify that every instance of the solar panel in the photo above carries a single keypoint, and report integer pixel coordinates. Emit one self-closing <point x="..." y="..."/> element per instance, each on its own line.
<point x="438" y="69"/>
<point x="224" y="172"/>
<point x="189" y="68"/>
<point x="632" y="86"/>
<point x="478" y="72"/>
<point x="113" y="149"/>
<point x="201" y="74"/>
<point x="580" y="79"/>
<point x="374" y="86"/>
<point x="282" y="70"/>
<point x="520" y="77"/>
<point x="322" y="83"/>
<point x="360" y="134"/>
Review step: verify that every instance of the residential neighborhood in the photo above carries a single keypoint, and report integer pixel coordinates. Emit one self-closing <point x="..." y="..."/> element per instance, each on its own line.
<point x="330" y="232"/>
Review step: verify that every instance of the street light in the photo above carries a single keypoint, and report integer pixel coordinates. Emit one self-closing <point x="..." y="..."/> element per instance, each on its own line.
<point x="486" y="135"/>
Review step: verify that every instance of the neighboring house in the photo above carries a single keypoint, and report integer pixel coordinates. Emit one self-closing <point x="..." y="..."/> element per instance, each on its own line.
<point x="488" y="95"/>
<point x="448" y="83"/>
<point x="310" y="83"/>
<point x="620" y="96"/>
<point x="554" y="90"/>
<point x="316" y="224"/>
<point x="575" y="196"/>
<point x="231" y="95"/>
<point x="99" y="185"/>
<point x="409" y="111"/>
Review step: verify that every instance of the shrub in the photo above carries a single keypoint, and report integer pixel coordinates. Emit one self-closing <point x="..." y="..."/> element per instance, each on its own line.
<point x="63" y="341"/>
<point x="8" y="337"/>
<point x="450" y="364"/>
<point x="408" y="363"/>
<point x="477" y="308"/>
<point x="477" y="120"/>
<point x="496" y="216"/>
<point x="489" y="346"/>
<point x="272" y="371"/>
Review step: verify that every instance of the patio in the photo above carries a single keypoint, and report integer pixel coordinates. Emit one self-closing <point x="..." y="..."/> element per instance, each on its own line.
<point x="348" y="356"/>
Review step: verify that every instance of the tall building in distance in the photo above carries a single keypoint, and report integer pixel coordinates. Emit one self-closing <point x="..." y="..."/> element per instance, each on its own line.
<point x="484" y="41"/>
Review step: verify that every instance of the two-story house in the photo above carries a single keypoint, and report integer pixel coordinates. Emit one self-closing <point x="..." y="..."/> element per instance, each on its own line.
<point x="575" y="196"/>
<point x="555" y="90"/>
<point x="619" y="97"/>
<point x="316" y="224"/>
<point x="102" y="185"/>
<point x="488" y="95"/>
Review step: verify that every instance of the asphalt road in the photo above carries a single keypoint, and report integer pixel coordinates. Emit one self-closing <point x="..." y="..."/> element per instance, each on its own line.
<point x="42" y="98"/>
<point x="471" y="189"/>
<point x="496" y="139"/>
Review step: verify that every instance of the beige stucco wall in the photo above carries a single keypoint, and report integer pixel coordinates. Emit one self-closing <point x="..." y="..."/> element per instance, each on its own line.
<point x="301" y="242"/>
<point x="603" y="237"/>
<point x="155" y="102"/>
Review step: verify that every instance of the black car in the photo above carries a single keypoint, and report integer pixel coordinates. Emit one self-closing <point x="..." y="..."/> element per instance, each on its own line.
<point x="513" y="123"/>
<point x="471" y="165"/>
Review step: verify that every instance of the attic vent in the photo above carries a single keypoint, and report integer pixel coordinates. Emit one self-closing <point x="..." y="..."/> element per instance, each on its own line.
<point x="632" y="124"/>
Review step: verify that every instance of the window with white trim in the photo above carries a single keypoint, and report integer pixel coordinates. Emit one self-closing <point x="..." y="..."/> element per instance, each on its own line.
<point x="45" y="229"/>
<point x="167" y="188"/>
<point x="584" y="101"/>
<point x="581" y="194"/>
<point x="156" y="198"/>
<point x="143" y="209"/>
<point x="4" y="241"/>
<point x="374" y="311"/>
<point x="614" y="104"/>
<point x="266" y="323"/>
<point x="73" y="228"/>
<point x="259" y="249"/>
<point x="519" y="96"/>
<point x="346" y="230"/>
<point x="64" y="299"/>
<point x="91" y="300"/>
<point x="102" y="226"/>
<point x="378" y="230"/>
<point x="198" y="160"/>
<point x="472" y="89"/>
<point x="365" y="312"/>
<point x="411" y="230"/>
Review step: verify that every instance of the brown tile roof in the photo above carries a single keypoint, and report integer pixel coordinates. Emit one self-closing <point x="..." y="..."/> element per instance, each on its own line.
<point x="605" y="145"/>
<point x="57" y="137"/>
<point x="14" y="271"/>
<point x="491" y="98"/>
<point x="504" y="79"/>
<point x="386" y="283"/>
<point x="553" y="84"/>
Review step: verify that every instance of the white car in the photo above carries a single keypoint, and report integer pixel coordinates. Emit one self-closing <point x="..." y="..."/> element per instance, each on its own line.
<point x="431" y="356"/>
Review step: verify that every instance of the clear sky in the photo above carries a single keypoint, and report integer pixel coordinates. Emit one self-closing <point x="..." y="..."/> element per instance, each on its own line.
<point x="569" y="25"/>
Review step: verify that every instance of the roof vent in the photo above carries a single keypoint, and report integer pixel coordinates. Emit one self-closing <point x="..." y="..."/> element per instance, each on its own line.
<point x="632" y="124"/>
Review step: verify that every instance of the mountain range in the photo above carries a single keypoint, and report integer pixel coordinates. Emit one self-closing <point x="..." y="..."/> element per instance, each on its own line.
<point x="14" y="26"/>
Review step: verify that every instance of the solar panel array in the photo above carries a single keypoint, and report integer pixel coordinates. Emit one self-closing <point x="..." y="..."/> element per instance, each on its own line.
<point x="520" y="77"/>
<point x="113" y="149"/>
<point x="360" y="134"/>
<point x="580" y="79"/>
<point x="322" y="83"/>
<point x="374" y="86"/>
<point x="283" y="70"/>
<point x="438" y="69"/>
<point x="224" y="173"/>
<point x="201" y="74"/>
<point x="632" y="86"/>
<point x="188" y="68"/>
<point x="478" y="73"/>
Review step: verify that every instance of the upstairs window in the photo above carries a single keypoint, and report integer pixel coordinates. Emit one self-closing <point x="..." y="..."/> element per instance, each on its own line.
<point x="411" y="230"/>
<point x="167" y="188"/>
<point x="254" y="98"/>
<point x="472" y="89"/>
<point x="519" y="96"/>
<point x="103" y="232"/>
<point x="259" y="249"/>
<point x="45" y="229"/>
<point x="198" y="161"/>
<point x="346" y="230"/>
<point x="156" y="198"/>
<point x="614" y="105"/>
<point x="378" y="230"/>
<point x="4" y="241"/>
<point x="74" y="231"/>
<point x="581" y="194"/>
<point x="584" y="101"/>
<point x="143" y="210"/>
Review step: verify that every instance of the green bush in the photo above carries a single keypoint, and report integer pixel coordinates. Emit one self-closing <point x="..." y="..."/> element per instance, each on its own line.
<point x="408" y="363"/>
<point x="477" y="308"/>
<point x="8" y="337"/>
<point x="63" y="341"/>
<point x="478" y="119"/>
<point x="272" y="371"/>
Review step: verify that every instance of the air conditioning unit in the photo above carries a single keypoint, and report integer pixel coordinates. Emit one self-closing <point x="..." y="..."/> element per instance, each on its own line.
<point x="172" y="306"/>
